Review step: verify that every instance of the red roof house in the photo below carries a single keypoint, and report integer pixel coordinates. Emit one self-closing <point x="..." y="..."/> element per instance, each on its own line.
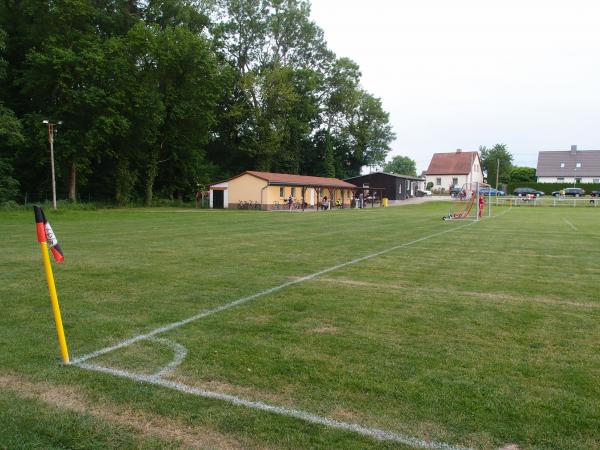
<point x="454" y="169"/>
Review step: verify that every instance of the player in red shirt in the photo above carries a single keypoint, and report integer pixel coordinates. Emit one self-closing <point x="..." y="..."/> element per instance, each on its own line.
<point x="481" y="205"/>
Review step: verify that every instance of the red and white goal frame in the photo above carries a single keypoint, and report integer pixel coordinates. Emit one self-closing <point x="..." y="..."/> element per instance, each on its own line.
<point x="471" y="203"/>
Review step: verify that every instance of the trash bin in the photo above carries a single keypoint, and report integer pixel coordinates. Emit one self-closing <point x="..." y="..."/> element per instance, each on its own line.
<point x="385" y="202"/>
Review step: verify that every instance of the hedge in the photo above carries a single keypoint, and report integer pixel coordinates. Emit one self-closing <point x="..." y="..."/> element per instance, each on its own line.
<point x="548" y="188"/>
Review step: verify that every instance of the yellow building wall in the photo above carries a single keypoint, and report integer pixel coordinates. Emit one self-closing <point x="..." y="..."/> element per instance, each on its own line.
<point x="248" y="188"/>
<point x="245" y="189"/>
<point x="274" y="195"/>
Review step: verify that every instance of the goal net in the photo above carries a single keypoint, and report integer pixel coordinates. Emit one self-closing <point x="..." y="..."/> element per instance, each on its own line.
<point x="470" y="202"/>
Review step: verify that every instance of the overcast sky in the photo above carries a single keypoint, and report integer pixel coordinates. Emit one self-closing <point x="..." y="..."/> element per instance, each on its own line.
<point x="464" y="73"/>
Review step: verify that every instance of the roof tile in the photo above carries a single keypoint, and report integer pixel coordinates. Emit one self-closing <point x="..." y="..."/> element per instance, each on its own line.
<point x="455" y="163"/>
<point x="549" y="163"/>
<point x="297" y="180"/>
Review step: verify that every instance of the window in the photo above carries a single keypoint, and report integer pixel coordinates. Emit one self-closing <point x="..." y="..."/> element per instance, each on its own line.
<point x="577" y="180"/>
<point x="438" y="181"/>
<point x="596" y="180"/>
<point x="293" y="192"/>
<point x="560" y="179"/>
<point x="282" y="192"/>
<point x="454" y="181"/>
<point x="578" y="165"/>
<point x="562" y="165"/>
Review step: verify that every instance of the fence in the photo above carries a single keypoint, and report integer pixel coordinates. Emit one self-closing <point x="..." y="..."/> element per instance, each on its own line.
<point x="571" y="202"/>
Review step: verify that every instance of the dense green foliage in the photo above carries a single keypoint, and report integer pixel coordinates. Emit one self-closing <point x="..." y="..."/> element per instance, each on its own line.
<point x="473" y="353"/>
<point x="498" y="157"/>
<point x="522" y="174"/>
<point x="402" y="165"/>
<point x="490" y="157"/>
<point x="159" y="97"/>
<point x="548" y="188"/>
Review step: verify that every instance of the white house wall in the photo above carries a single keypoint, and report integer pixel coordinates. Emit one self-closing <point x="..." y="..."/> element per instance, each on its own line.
<point x="569" y="180"/>
<point x="446" y="181"/>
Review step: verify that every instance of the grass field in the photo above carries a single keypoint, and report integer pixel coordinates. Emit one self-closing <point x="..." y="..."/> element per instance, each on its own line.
<point x="445" y="334"/>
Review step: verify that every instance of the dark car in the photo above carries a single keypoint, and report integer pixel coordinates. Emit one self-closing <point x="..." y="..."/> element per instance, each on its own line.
<point x="524" y="191"/>
<point x="595" y="193"/>
<point x="456" y="191"/>
<point x="575" y="192"/>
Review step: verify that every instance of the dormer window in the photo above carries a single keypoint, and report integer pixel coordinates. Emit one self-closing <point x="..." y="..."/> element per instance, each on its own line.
<point x="562" y="165"/>
<point x="578" y="165"/>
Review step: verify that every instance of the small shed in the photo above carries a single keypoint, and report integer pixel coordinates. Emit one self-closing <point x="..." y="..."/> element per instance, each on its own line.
<point x="396" y="187"/>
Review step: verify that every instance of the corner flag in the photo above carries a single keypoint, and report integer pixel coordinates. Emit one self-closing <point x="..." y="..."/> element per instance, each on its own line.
<point x="47" y="239"/>
<point x="45" y="233"/>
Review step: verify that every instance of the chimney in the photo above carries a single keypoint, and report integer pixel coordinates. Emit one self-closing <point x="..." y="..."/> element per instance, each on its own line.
<point x="459" y="150"/>
<point x="573" y="149"/>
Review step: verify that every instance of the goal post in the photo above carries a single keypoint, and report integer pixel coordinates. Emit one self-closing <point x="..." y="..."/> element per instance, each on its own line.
<point x="470" y="203"/>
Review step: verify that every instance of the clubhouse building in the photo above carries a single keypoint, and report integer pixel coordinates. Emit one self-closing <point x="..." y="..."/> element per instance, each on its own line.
<point x="266" y="191"/>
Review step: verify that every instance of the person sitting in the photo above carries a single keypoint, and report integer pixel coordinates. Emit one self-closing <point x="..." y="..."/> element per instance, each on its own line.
<point x="325" y="203"/>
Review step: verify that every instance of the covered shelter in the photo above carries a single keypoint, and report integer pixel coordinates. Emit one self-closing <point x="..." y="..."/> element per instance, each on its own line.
<point x="267" y="191"/>
<point x="394" y="186"/>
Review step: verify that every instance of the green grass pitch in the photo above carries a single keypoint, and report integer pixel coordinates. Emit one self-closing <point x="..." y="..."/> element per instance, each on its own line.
<point x="482" y="335"/>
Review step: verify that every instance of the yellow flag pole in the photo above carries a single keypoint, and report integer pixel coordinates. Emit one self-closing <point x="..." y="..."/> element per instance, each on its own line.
<point x="62" y="342"/>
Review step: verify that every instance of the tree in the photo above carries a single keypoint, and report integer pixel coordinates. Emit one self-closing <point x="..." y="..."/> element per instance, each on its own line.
<point x="522" y="174"/>
<point x="157" y="96"/>
<point x="11" y="135"/>
<point x="489" y="163"/>
<point x="401" y="165"/>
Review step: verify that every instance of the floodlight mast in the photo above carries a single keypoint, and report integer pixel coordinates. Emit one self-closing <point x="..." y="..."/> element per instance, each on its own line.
<point x="51" y="131"/>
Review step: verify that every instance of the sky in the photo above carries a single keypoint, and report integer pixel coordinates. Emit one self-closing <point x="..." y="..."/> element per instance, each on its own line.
<point x="464" y="73"/>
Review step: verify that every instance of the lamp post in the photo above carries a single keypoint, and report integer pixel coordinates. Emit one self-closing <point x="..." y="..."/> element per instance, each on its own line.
<point x="51" y="131"/>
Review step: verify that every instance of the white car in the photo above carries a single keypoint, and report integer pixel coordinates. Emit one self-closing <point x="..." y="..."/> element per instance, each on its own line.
<point x="423" y="193"/>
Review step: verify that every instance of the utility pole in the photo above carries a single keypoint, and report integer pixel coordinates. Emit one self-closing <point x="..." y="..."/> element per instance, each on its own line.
<point x="497" y="172"/>
<point x="51" y="131"/>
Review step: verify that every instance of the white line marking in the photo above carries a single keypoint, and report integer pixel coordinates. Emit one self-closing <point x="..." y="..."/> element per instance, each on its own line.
<point x="249" y="298"/>
<point x="375" y="433"/>
<point x="568" y="222"/>
<point x="180" y="354"/>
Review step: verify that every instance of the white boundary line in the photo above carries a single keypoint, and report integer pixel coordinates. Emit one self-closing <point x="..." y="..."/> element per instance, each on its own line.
<point x="568" y="222"/>
<point x="181" y="352"/>
<point x="376" y="433"/>
<point x="174" y="325"/>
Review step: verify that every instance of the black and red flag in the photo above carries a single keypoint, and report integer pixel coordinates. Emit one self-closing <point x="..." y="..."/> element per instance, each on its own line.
<point x="46" y="234"/>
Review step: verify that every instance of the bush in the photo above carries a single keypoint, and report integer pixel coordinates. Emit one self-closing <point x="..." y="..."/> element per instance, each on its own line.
<point x="11" y="205"/>
<point x="9" y="187"/>
<point x="548" y="188"/>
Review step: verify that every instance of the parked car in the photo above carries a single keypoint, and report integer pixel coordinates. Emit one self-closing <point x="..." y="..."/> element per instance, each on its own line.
<point x="524" y="191"/>
<point x="423" y="193"/>
<point x="456" y="191"/>
<point x="575" y="192"/>
<point x="491" y="191"/>
<point x="595" y="194"/>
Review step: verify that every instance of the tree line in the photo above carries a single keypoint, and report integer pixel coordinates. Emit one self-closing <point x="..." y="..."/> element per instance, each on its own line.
<point x="496" y="163"/>
<point x="159" y="97"/>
